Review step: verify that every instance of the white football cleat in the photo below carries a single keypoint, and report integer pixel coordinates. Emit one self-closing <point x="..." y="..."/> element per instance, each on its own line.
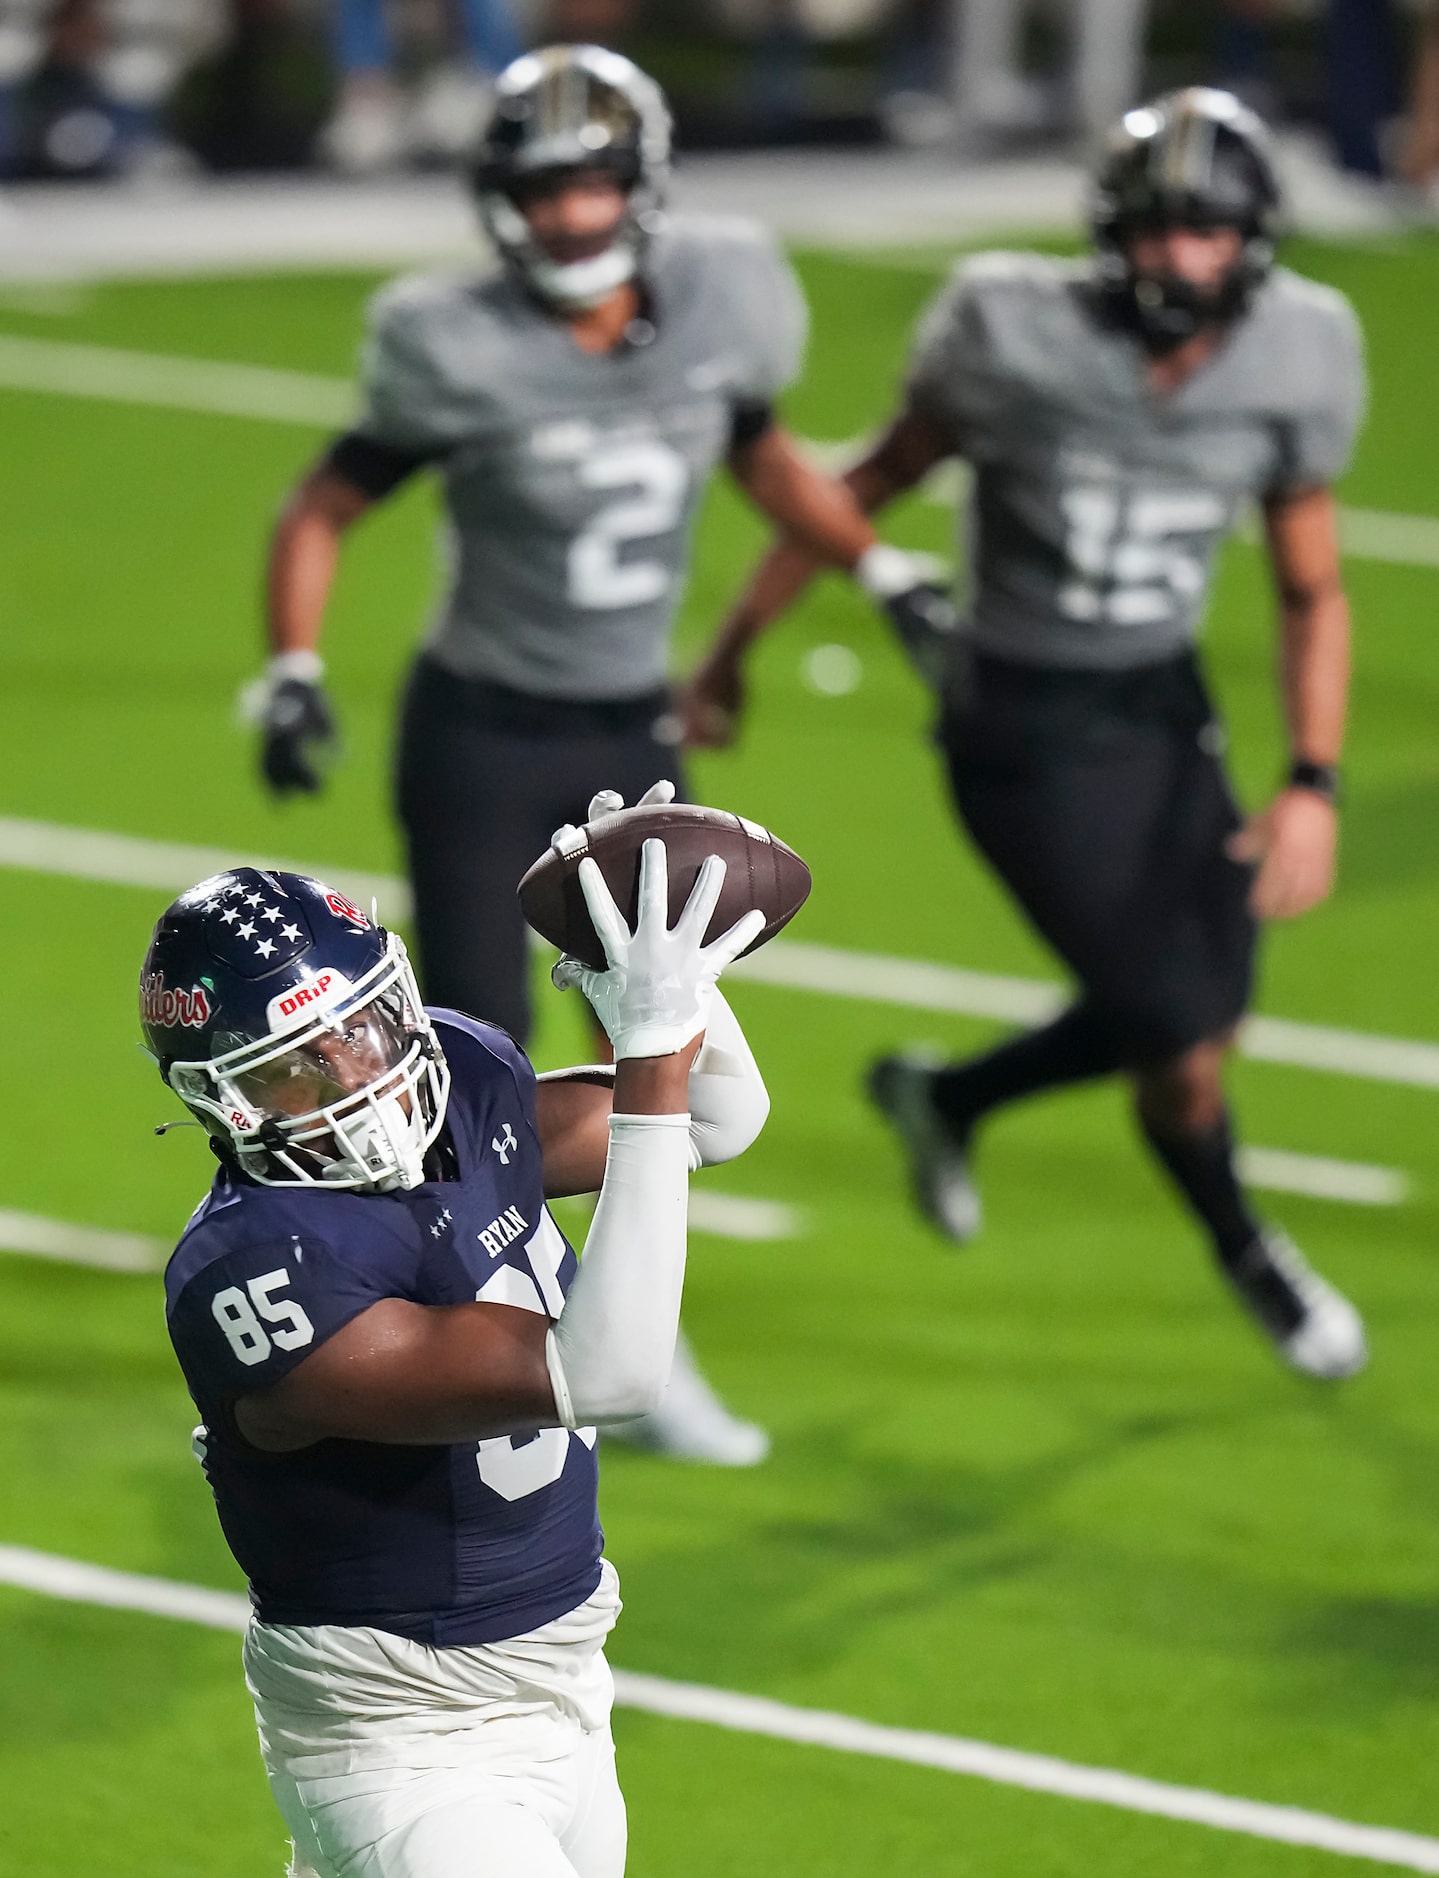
<point x="1314" y="1327"/>
<point x="901" y="1089"/>
<point x="692" y="1424"/>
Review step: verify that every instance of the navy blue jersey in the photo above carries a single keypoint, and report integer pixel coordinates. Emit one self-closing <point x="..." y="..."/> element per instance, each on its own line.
<point x="445" y="1545"/>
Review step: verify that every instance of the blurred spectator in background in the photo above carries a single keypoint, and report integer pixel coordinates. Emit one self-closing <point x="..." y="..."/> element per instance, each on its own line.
<point x="83" y="83"/>
<point x="1364" y="82"/>
<point x="914" y="108"/>
<point x="1245" y="53"/>
<point x="1106" y="49"/>
<point x="377" y="124"/>
<point x="1419" y="156"/>
<point x="590" y="22"/>
<point x="783" y="90"/>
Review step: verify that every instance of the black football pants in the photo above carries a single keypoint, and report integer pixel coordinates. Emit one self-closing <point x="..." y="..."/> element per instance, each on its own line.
<point x="1101" y="801"/>
<point x="485" y="775"/>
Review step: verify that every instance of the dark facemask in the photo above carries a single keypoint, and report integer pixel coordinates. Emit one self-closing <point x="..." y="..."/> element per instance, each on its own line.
<point x="1167" y="311"/>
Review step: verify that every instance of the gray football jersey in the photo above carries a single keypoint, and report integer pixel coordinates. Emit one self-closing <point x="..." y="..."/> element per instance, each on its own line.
<point x="572" y="480"/>
<point x="1099" y="505"/>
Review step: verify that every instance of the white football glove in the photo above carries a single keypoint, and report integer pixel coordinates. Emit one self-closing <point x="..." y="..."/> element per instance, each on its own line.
<point x="915" y="591"/>
<point x="610" y="802"/>
<point x="655" y="995"/>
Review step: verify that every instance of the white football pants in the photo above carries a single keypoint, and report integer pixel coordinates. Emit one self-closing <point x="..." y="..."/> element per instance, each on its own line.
<point x="389" y="1759"/>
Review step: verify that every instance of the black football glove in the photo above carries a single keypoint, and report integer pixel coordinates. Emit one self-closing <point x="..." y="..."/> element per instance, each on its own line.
<point x="297" y="727"/>
<point x="917" y="604"/>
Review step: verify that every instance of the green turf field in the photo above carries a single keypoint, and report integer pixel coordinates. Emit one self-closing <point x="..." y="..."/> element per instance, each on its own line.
<point x="1050" y="1492"/>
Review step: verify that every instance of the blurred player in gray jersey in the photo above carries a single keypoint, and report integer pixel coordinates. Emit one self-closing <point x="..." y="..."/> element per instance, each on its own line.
<point x="1118" y="414"/>
<point x="574" y="400"/>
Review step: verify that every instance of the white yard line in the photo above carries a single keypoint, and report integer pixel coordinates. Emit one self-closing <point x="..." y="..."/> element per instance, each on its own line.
<point x="1344" y="1052"/>
<point x="222" y="388"/>
<point x="71" y="1579"/>
<point x="62" y="369"/>
<point x="79" y="1583"/>
<point x="723" y="1215"/>
<point x="1379" y="535"/>
<point x="732" y="1216"/>
<point x="1355" y="1182"/>
<point x="929" y="987"/>
<point x="796" y="965"/>
<point x="81" y="1245"/>
<point x="169" y="867"/>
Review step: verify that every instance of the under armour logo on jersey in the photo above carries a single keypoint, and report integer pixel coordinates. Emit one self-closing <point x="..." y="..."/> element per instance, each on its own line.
<point x="504" y="1144"/>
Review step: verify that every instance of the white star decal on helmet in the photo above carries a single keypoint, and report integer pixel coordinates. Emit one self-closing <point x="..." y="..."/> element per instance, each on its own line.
<point x="290" y="932"/>
<point x="247" y="931"/>
<point x="272" y="912"/>
<point x="264" y="947"/>
<point x="253" y="899"/>
<point x="229" y="916"/>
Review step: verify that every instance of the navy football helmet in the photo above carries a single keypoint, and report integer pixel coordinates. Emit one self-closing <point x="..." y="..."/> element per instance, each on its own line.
<point x="291" y="1026"/>
<point x="1199" y="159"/>
<point x="569" y="108"/>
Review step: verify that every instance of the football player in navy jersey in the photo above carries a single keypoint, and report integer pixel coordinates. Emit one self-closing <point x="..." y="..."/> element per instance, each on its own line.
<point x="400" y="1365"/>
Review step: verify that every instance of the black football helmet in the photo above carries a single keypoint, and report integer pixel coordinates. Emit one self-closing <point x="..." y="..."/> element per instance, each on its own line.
<point x="1197" y="159"/>
<point x="573" y="108"/>
<point x="291" y="1027"/>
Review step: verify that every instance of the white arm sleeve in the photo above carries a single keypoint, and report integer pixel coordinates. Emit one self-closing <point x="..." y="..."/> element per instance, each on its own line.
<point x="729" y="1103"/>
<point x="610" y="1353"/>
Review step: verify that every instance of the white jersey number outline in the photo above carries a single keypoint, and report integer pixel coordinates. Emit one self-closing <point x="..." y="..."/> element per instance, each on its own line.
<point x="515" y="1472"/>
<point x="598" y="579"/>
<point x="235" y="1314"/>
<point x="1130" y="564"/>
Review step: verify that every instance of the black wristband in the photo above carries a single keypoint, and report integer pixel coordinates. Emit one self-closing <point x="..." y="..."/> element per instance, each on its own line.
<point x="750" y="419"/>
<point x="1322" y="778"/>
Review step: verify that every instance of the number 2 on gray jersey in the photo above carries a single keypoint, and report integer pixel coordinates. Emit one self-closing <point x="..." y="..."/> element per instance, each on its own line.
<point x="659" y="478"/>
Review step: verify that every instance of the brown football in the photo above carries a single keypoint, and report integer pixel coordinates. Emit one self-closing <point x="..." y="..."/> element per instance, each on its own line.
<point x="760" y="872"/>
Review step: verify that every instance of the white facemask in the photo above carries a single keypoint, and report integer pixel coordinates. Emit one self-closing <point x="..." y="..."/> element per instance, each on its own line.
<point x="569" y="285"/>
